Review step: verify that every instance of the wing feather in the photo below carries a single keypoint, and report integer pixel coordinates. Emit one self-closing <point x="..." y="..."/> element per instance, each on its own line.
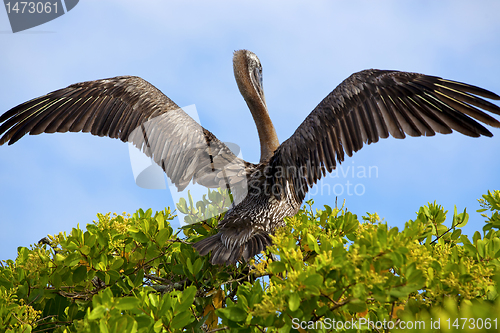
<point x="132" y="110"/>
<point x="372" y="104"/>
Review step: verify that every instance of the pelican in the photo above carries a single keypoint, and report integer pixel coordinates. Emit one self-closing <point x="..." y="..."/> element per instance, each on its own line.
<point x="367" y="106"/>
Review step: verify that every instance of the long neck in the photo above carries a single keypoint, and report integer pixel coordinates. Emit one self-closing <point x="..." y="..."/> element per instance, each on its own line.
<point x="257" y="105"/>
<point x="267" y="134"/>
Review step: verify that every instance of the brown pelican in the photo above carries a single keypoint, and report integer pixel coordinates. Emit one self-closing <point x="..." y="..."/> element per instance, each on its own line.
<point x="368" y="105"/>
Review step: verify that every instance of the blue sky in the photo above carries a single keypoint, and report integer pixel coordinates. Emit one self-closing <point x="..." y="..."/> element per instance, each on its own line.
<point x="51" y="183"/>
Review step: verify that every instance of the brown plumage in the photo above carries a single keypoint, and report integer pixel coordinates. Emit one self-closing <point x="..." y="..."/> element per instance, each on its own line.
<point x="368" y="105"/>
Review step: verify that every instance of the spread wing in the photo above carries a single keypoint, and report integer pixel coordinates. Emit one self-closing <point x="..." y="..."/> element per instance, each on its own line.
<point x="372" y="104"/>
<point x="131" y="109"/>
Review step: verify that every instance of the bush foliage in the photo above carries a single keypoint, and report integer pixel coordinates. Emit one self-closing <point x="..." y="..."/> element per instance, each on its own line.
<point x="127" y="273"/>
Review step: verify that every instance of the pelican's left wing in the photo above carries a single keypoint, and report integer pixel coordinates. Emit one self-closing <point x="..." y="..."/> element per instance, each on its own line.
<point x="132" y="110"/>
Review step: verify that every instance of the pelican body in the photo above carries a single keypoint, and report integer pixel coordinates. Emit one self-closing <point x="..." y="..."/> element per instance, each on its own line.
<point x="367" y="106"/>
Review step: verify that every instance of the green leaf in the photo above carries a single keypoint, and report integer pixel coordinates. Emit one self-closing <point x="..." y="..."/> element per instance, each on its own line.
<point x="403" y="291"/>
<point x="182" y="319"/>
<point x="80" y="274"/>
<point x="161" y="221"/>
<point x="201" y="207"/>
<point x="103" y="327"/>
<point x="139" y="278"/>
<point x="481" y="244"/>
<point x="140" y="237"/>
<point x="90" y="239"/>
<point x="382" y="235"/>
<point x="294" y="302"/>
<point x="165" y="306"/>
<point x="97" y="312"/>
<point x="73" y="259"/>
<point x="416" y="277"/>
<point x="85" y="249"/>
<point x="186" y="300"/>
<point x="197" y="266"/>
<point x="189" y="265"/>
<point x="494" y="246"/>
<point x="312" y="243"/>
<point x="357" y="306"/>
<point x="460" y="220"/>
<point x="456" y="234"/>
<point x="163" y="235"/>
<point x="182" y="206"/>
<point x="315" y="280"/>
<point x="476" y="236"/>
<point x="56" y="280"/>
<point x="127" y="303"/>
<point x="117" y="263"/>
<point x="158" y="326"/>
<point x="178" y="269"/>
<point x="233" y="313"/>
<point x="277" y="267"/>
<point x="471" y="249"/>
<point x="72" y="245"/>
<point x="191" y="204"/>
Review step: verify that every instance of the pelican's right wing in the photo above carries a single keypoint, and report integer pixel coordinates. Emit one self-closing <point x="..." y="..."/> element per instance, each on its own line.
<point x="132" y="110"/>
<point x="372" y="104"/>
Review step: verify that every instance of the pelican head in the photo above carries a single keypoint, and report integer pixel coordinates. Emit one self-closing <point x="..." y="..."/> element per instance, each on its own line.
<point x="248" y="75"/>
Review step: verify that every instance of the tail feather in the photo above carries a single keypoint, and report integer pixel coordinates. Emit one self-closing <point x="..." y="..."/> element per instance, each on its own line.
<point x="207" y="244"/>
<point x="222" y="254"/>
